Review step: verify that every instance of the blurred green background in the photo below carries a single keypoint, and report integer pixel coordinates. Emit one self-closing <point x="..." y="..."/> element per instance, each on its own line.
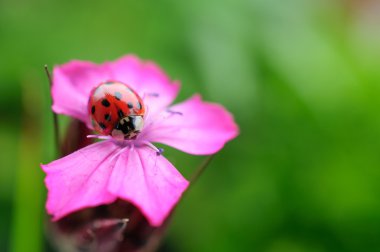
<point x="301" y="77"/>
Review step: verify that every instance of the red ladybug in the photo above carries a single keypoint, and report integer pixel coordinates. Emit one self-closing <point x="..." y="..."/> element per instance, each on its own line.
<point x="117" y="110"/>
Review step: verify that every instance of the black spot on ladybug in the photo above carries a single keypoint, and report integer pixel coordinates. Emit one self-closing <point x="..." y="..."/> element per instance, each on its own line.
<point x="102" y="125"/>
<point x="92" y="109"/>
<point x="120" y="113"/>
<point x="138" y="105"/>
<point x="118" y="95"/>
<point x="105" y="103"/>
<point x="130" y="105"/>
<point x="107" y="117"/>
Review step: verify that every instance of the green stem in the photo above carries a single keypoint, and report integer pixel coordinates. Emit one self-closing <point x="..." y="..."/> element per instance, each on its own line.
<point x="55" y="117"/>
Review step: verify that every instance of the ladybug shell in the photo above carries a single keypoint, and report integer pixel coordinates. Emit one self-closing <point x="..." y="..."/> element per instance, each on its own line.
<point x="110" y="102"/>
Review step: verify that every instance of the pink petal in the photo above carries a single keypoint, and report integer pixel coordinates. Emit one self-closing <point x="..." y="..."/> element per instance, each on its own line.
<point x="73" y="82"/>
<point x="149" y="181"/>
<point x="80" y="179"/>
<point x="194" y="126"/>
<point x="148" y="80"/>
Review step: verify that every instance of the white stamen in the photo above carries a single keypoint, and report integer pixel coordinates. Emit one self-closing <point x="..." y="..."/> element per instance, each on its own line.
<point x="159" y="151"/>
<point x="99" y="137"/>
<point x="117" y="153"/>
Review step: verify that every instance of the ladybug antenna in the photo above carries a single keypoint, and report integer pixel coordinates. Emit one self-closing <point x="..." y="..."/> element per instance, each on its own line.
<point x="55" y="117"/>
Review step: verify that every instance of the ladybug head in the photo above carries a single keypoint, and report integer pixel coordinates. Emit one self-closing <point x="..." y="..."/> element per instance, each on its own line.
<point x="128" y="127"/>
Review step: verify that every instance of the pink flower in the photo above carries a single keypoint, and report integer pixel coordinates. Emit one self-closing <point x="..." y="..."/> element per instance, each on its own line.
<point x="132" y="170"/>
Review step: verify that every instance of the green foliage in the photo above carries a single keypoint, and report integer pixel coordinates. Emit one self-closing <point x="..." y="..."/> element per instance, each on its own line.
<point x="301" y="78"/>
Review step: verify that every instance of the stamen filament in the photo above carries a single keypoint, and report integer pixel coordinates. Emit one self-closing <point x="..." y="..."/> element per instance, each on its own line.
<point x="99" y="137"/>
<point x="158" y="151"/>
<point x="117" y="154"/>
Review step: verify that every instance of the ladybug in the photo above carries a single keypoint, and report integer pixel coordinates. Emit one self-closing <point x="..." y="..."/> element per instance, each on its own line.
<point x="117" y="110"/>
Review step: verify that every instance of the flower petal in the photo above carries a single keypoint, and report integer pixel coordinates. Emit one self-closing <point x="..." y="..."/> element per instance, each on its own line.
<point x="194" y="126"/>
<point x="73" y="82"/>
<point x="147" y="79"/>
<point x="80" y="179"/>
<point x="148" y="181"/>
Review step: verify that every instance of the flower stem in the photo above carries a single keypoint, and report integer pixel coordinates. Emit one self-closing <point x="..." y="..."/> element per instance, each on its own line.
<point x="202" y="167"/>
<point x="55" y="118"/>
